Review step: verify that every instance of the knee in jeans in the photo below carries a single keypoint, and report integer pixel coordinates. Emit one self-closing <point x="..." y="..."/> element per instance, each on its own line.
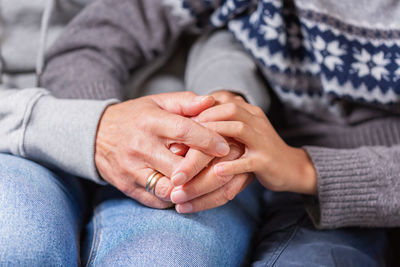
<point x="199" y="243"/>
<point x="35" y="224"/>
<point x="19" y="172"/>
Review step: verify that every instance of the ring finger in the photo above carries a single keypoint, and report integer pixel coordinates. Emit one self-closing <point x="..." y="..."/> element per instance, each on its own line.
<point x="162" y="186"/>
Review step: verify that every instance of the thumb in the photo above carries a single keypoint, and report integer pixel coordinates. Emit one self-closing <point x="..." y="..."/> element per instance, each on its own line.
<point x="184" y="103"/>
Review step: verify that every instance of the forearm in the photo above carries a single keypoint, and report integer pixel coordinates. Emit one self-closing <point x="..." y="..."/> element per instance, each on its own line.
<point x="356" y="187"/>
<point x="94" y="56"/>
<point x="82" y="64"/>
<point x="219" y="62"/>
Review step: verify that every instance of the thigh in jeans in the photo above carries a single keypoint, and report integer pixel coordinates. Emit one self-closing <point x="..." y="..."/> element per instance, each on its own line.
<point x="288" y="238"/>
<point x="39" y="215"/>
<point x="123" y="232"/>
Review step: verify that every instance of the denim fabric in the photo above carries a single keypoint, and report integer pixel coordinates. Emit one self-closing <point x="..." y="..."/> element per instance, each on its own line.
<point x="124" y="232"/>
<point x="40" y="215"/>
<point x="288" y="238"/>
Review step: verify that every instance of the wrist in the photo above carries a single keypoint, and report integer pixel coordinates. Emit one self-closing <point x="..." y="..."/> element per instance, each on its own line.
<point x="305" y="175"/>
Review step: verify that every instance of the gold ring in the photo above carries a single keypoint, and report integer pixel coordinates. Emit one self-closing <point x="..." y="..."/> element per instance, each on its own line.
<point x="152" y="181"/>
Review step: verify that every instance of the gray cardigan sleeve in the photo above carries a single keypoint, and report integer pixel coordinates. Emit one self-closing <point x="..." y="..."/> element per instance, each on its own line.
<point x="57" y="133"/>
<point x="99" y="49"/>
<point x="356" y="187"/>
<point x="93" y="59"/>
<point x="218" y="61"/>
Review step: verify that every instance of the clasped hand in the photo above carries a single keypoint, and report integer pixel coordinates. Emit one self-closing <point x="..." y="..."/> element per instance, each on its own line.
<point x="207" y="148"/>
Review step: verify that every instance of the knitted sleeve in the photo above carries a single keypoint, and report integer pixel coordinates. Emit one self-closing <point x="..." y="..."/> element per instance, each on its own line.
<point x="356" y="187"/>
<point x="219" y="62"/>
<point x="95" y="55"/>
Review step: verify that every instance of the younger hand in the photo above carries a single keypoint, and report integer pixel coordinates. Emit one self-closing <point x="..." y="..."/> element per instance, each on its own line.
<point x="276" y="165"/>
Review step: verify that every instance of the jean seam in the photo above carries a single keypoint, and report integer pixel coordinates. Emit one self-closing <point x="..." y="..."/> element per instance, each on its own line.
<point x="96" y="236"/>
<point x="276" y="252"/>
<point x="285" y="244"/>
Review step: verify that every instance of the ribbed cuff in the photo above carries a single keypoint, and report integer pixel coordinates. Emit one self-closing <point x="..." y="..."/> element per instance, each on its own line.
<point x="348" y="188"/>
<point x="61" y="133"/>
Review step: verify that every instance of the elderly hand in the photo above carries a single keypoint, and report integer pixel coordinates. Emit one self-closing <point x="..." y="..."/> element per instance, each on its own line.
<point x="134" y="137"/>
<point x="201" y="188"/>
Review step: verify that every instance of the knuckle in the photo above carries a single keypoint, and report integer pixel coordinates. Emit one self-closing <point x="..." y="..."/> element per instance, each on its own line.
<point x="231" y="109"/>
<point x="124" y="170"/>
<point x="229" y="193"/>
<point x="149" y="123"/>
<point x="223" y="97"/>
<point x="249" y="165"/>
<point x="182" y="129"/>
<point x="133" y="147"/>
<point x="258" y="111"/>
<point x="137" y="151"/>
<point x="223" y="179"/>
<point x="163" y="190"/>
<point x="208" y="140"/>
<point x="240" y="128"/>
<point x="221" y="199"/>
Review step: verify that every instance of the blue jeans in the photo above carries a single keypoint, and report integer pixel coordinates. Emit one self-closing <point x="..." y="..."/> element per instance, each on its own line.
<point x="43" y="222"/>
<point x="288" y="238"/>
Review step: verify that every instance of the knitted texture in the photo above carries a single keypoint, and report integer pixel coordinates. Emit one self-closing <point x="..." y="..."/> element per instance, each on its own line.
<point x="338" y="70"/>
<point x="315" y="61"/>
<point x="334" y="63"/>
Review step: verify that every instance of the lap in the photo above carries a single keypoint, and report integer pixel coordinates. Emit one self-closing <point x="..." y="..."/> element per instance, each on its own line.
<point x="39" y="213"/>
<point x="288" y="238"/>
<point x="123" y="232"/>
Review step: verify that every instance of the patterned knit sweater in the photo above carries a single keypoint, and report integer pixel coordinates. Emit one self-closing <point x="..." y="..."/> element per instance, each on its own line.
<point x="335" y="66"/>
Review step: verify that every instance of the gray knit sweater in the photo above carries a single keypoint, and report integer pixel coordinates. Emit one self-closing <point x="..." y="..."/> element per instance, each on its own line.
<point x="352" y="141"/>
<point x="58" y="133"/>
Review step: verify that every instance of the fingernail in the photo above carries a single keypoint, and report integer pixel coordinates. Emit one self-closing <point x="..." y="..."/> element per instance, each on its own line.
<point x="222" y="148"/>
<point x="178" y="196"/>
<point x="199" y="99"/>
<point x="178" y="179"/>
<point x="219" y="169"/>
<point x="174" y="149"/>
<point x="184" y="208"/>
